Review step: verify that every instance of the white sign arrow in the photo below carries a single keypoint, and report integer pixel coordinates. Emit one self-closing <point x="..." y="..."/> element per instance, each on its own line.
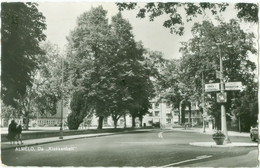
<point x="233" y="86"/>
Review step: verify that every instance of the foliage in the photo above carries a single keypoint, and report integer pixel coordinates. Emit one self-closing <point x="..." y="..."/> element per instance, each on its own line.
<point x="246" y="11"/>
<point x="245" y="106"/>
<point x="80" y="110"/>
<point x="199" y="58"/>
<point x="88" y="53"/>
<point x="47" y="81"/>
<point x="8" y="112"/>
<point x="218" y="134"/>
<point x="22" y="30"/>
<point x="110" y="70"/>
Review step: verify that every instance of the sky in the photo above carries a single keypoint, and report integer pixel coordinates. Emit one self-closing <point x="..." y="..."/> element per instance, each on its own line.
<point x="61" y="19"/>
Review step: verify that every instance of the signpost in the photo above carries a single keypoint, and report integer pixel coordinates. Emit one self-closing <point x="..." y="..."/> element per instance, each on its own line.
<point x="233" y="86"/>
<point x="212" y="87"/>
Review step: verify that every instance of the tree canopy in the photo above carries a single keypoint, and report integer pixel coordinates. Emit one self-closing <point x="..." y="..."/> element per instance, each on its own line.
<point x="22" y="30"/>
<point x="173" y="10"/>
<point x="201" y="58"/>
<point x="107" y="67"/>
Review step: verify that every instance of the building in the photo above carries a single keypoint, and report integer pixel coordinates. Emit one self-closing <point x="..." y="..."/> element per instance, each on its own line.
<point x="50" y="120"/>
<point x="164" y="113"/>
<point x="160" y="113"/>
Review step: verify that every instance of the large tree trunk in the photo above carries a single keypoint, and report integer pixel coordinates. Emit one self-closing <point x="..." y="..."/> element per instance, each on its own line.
<point x="125" y="121"/>
<point x="115" y="123"/>
<point x="189" y="114"/>
<point x="141" y="121"/>
<point x="179" y="116"/>
<point x="133" y="121"/>
<point x="115" y="119"/>
<point x="183" y="115"/>
<point x="100" y="122"/>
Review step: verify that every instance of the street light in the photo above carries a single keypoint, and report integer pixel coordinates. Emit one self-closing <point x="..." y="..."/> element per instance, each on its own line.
<point x="203" y="102"/>
<point x="161" y="114"/>
<point x="62" y="85"/>
<point x="223" y="110"/>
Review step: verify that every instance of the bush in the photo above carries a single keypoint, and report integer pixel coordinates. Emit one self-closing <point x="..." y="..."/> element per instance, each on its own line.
<point x="156" y="125"/>
<point x="73" y="121"/>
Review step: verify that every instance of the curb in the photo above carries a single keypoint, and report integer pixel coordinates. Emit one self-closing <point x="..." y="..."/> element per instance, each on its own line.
<point x="61" y="140"/>
<point x="231" y="145"/>
<point x="209" y="133"/>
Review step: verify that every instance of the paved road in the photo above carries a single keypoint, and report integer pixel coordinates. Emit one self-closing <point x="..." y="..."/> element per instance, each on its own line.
<point x="133" y="149"/>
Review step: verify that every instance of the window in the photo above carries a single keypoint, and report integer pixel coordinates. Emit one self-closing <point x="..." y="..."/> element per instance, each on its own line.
<point x="157" y="105"/>
<point x="169" y="115"/>
<point x="151" y="114"/>
<point x="156" y="113"/>
<point x="105" y="121"/>
<point x="168" y="120"/>
<point x="122" y="121"/>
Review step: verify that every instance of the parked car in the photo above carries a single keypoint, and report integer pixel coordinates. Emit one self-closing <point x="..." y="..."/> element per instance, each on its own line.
<point x="254" y="133"/>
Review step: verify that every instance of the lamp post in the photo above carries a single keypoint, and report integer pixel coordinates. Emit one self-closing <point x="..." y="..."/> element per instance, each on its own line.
<point x="222" y="90"/>
<point x="161" y="114"/>
<point x="203" y="102"/>
<point x="61" y="124"/>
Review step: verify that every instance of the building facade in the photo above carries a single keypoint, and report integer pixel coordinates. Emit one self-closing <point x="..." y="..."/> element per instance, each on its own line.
<point x="164" y="114"/>
<point x="50" y="120"/>
<point x="161" y="113"/>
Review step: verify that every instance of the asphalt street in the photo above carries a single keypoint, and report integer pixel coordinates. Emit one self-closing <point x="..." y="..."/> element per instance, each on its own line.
<point x="131" y="149"/>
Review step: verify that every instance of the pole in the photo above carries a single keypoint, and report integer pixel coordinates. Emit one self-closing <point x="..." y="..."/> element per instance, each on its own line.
<point x="223" y="110"/>
<point x="203" y="103"/>
<point x="161" y="113"/>
<point x="61" y="124"/>
<point x="239" y="123"/>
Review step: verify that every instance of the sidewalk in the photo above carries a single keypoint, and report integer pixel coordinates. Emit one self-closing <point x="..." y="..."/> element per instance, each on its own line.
<point x="210" y="131"/>
<point x="31" y="142"/>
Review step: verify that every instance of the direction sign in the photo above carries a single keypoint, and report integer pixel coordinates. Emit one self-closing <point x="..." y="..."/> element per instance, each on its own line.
<point x="222" y="97"/>
<point x="212" y="87"/>
<point x="233" y="86"/>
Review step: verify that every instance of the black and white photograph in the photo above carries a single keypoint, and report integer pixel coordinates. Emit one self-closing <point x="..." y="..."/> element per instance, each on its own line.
<point x="129" y="83"/>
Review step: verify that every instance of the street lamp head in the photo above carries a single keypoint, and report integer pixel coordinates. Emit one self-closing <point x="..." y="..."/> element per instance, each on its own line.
<point x="229" y="45"/>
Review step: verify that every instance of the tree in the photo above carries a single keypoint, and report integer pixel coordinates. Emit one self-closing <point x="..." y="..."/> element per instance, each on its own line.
<point x="167" y="79"/>
<point x="43" y="96"/>
<point x="246" y="11"/>
<point x="22" y="30"/>
<point x="8" y="112"/>
<point x="48" y="79"/>
<point x="129" y="71"/>
<point x="109" y="69"/>
<point x="80" y="110"/>
<point x="199" y="58"/>
<point x="88" y="53"/>
<point x="244" y="108"/>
